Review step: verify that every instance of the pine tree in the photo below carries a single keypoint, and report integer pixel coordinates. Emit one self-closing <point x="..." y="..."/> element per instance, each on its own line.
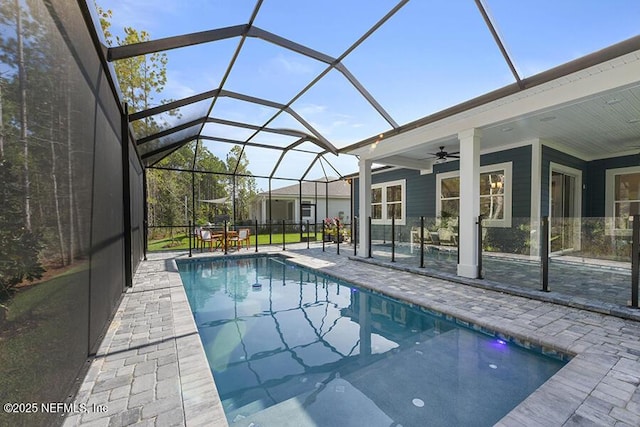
<point x="18" y="246"/>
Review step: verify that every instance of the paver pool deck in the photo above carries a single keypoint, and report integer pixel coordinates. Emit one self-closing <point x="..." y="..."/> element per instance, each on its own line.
<point x="151" y="369"/>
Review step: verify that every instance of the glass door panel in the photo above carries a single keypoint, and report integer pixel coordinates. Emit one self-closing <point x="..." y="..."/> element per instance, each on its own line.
<point x="563" y="211"/>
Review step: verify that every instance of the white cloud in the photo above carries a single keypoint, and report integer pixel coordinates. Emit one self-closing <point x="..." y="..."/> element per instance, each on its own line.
<point x="285" y="65"/>
<point x="177" y="89"/>
<point x="292" y="66"/>
<point x="310" y="109"/>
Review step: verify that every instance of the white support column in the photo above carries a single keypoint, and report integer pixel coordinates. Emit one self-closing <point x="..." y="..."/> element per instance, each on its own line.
<point x="536" y="197"/>
<point x="364" y="205"/>
<point x="469" y="202"/>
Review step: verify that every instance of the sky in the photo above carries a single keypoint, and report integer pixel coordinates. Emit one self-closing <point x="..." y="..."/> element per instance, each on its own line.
<point x="428" y="56"/>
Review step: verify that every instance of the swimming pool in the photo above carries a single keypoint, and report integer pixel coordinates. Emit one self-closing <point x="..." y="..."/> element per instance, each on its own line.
<point x="288" y="346"/>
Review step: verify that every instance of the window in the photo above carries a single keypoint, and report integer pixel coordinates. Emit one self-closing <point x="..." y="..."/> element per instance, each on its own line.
<point x="306" y="209"/>
<point x="492" y="195"/>
<point x="623" y="197"/>
<point x="626" y="198"/>
<point x="394" y="201"/>
<point x="387" y="202"/>
<point x="450" y="196"/>
<point x="495" y="194"/>
<point x="376" y="203"/>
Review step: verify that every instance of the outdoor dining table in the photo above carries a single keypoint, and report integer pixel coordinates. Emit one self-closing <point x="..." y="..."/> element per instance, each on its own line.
<point x="218" y="236"/>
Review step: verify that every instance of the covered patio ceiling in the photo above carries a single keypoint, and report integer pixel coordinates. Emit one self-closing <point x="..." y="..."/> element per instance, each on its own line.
<point x="590" y="111"/>
<point x="298" y="84"/>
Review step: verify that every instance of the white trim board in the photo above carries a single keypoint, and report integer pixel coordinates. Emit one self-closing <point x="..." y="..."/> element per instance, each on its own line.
<point x="508" y="193"/>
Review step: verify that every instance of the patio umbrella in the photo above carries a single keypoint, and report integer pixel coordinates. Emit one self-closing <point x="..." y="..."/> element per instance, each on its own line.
<point x="220" y="201"/>
<point x="217" y="202"/>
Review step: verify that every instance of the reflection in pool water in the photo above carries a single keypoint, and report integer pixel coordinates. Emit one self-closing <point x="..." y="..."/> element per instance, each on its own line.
<point x="288" y="346"/>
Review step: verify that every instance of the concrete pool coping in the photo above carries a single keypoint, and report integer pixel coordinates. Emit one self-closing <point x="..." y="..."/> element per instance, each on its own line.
<point x="151" y="367"/>
<point x="561" y="298"/>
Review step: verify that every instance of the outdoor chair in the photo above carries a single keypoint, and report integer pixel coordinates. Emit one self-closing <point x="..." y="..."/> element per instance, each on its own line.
<point x="447" y="237"/>
<point x="428" y="238"/>
<point x="415" y="236"/>
<point x="246" y="235"/>
<point x="215" y="240"/>
<point x="207" y="238"/>
<point x="241" y="238"/>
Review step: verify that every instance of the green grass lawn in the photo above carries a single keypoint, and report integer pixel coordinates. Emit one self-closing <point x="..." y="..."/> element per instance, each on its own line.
<point x="43" y="341"/>
<point x="181" y="241"/>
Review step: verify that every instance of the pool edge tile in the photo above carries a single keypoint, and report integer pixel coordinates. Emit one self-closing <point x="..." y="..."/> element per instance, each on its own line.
<point x="201" y="403"/>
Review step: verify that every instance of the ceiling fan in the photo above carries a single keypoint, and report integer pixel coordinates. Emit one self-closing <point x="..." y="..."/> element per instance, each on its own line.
<point x="442" y="156"/>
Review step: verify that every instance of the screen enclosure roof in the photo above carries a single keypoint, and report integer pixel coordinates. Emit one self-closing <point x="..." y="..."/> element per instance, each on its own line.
<point x="297" y="84"/>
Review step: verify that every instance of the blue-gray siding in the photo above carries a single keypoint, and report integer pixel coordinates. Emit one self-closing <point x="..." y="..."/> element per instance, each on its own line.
<point x="595" y="181"/>
<point x="421" y="189"/>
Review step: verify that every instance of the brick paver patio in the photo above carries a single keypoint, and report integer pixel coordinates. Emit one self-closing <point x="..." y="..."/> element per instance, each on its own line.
<point x="151" y="368"/>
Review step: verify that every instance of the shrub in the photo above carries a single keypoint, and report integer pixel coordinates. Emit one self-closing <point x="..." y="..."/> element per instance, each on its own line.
<point x="514" y="240"/>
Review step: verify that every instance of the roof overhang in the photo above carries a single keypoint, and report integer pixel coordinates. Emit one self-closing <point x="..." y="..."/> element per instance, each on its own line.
<point x="577" y="95"/>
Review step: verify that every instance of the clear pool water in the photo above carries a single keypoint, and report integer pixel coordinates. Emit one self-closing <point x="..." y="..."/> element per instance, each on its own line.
<point x="289" y="347"/>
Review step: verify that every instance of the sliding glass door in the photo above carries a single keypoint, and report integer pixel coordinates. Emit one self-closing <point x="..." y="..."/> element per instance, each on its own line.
<point x="564" y="218"/>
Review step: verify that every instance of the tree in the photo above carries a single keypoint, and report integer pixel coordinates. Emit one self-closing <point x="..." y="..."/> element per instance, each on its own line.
<point x="170" y="194"/>
<point x="22" y="128"/>
<point x="242" y="186"/>
<point x="1" y="125"/>
<point x="18" y="246"/>
<point x="210" y="186"/>
<point x="140" y="77"/>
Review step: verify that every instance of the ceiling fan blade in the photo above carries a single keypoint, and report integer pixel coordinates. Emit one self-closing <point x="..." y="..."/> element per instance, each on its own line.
<point x="454" y="152"/>
<point x="453" y="156"/>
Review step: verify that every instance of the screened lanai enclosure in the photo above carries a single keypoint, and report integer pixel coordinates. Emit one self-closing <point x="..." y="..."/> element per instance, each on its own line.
<point x="131" y="126"/>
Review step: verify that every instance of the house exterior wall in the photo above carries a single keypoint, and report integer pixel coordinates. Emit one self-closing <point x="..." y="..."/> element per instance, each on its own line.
<point x="336" y="206"/>
<point x="520" y="159"/>
<point x="596" y="178"/>
<point x="279" y="210"/>
<point x="421" y="188"/>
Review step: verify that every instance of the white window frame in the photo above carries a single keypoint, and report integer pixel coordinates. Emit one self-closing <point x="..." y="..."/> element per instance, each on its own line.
<point x="609" y="211"/>
<point x="507" y="194"/>
<point x="308" y="206"/>
<point x="403" y="202"/>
